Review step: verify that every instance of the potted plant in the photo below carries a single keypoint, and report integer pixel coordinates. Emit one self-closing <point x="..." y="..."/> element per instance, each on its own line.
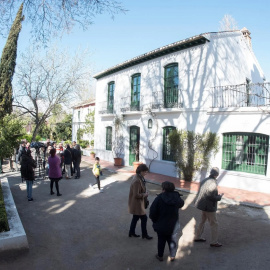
<point x="92" y="154"/>
<point x="118" y="143"/>
<point x="137" y="161"/>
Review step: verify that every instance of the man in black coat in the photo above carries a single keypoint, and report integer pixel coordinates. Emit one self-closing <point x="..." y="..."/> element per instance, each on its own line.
<point x="77" y="156"/>
<point x="165" y="217"/>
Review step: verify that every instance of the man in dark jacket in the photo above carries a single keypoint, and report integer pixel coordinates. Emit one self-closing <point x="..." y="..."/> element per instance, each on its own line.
<point x="206" y="201"/>
<point x="165" y="217"/>
<point x="67" y="161"/>
<point x="77" y="156"/>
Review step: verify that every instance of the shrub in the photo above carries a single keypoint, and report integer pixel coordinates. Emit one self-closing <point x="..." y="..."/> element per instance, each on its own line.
<point x="28" y="137"/>
<point x="192" y="151"/>
<point x="83" y="143"/>
<point x="67" y="142"/>
<point x="3" y="215"/>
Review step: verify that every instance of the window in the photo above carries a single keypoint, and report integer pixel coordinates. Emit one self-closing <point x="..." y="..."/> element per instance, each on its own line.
<point x="167" y="153"/>
<point x="135" y="92"/>
<point x="110" y="98"/>
<point x="79" y="116"/>
<point x="245" y="152"/>
<point x="109" y="138"/>
<point x="150" y="123"/>
<point x="171" y="86"/>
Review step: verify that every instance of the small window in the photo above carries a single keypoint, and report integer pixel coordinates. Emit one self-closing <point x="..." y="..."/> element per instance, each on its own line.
<point x="167" y="152"/>
<point x="135" y="92"/>
<point x="110" y="98"/>
<point x="245" y="152"/>
<point x="109" y="138"/>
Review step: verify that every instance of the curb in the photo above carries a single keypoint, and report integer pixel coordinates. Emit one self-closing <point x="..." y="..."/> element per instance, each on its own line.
<point x="15" y="239"/>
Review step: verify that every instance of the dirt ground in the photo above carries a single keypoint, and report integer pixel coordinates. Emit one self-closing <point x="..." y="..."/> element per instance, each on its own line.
<point x="85" y="229"/>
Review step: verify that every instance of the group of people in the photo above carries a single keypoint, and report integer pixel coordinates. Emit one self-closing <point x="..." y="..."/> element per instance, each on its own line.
<point x="57" y="161"/>
<point x="164" y="211"/>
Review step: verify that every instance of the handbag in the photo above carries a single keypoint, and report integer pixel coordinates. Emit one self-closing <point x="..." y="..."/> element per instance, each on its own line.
<point x="146" y="203"/>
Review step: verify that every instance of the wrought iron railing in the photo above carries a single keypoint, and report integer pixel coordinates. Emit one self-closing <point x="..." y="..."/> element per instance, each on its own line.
<point x="171" y="98"/>
<point x="241" y="95"/>
<point x="127" y="105"/>
<point x="106" y="107"/>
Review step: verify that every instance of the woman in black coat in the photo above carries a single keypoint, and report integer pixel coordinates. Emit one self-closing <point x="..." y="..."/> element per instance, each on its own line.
<point x="165" y="217"/>
<point x="27" y="171"/>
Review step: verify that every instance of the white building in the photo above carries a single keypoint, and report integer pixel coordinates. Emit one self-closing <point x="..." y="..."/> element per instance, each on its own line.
<point x="210" y="82"/>
<point x="80" y="111"/>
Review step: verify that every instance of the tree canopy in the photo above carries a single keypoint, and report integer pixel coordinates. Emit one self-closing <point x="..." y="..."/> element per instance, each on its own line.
<point x="54" y="17"/>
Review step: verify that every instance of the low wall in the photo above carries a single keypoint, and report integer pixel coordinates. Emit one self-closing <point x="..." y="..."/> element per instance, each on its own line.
<point x="14" y="239"/>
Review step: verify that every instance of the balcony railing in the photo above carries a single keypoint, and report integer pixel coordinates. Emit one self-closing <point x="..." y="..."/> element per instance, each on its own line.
<point x="106" y="107"/>
<point x="128" y="106"/>
<point x="241" y="95"/>
<point x="170" y="99"/>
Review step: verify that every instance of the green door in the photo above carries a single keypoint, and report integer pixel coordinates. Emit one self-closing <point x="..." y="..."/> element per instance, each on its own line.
<point x="134" y="144"/>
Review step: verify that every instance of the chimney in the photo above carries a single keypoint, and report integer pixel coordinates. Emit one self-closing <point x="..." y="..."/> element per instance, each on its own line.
<point x="247" y="36"/>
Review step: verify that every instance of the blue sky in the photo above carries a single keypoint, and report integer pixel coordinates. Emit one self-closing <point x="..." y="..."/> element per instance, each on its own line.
<point x="150" y="24"/>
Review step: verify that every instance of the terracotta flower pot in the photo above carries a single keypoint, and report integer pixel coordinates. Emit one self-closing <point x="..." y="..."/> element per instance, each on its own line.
<point x="92" y="155"/>
<point x="136" y="164"/>
<point x="117" y="161"/>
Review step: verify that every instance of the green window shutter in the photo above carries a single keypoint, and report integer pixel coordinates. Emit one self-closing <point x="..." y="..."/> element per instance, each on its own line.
<point x="109" y="138"/>
<point x="110" y="98"/>
<point x="135" y="92"/>
<point x="171" y="86"/>
<point x="167" y="152"/>
<point x="245" y="152"/>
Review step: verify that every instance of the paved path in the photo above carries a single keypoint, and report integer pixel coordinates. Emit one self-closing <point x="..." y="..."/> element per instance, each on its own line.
<point x="84" y="229"/>
<point x="231" y="195"/>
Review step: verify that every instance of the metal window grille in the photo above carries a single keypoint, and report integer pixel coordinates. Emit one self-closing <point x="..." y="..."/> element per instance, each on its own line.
<point x="245" y="152"/>
<point x="110" y="99"/>
<point x="167" y="153"/>
<point x="109" y="138"/>
<point x="135" y="92"/>
<point x="171" y="86"/>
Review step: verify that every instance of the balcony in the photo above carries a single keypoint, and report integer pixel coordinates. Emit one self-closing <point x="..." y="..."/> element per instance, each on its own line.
<point x="172" y="98"/>
<point x="130" y="106"/>
<point x="241" y="95"/>
<point x="106" y="107"/>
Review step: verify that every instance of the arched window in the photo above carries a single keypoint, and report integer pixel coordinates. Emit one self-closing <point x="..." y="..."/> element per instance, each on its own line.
<point x="167" y="153"/>
<point x="109" y="138"/>
<point x="171" y="81"/>
<point x="245" y="152"/>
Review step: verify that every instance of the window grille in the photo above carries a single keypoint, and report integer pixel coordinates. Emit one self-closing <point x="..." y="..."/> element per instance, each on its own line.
<point x="171" y="86"/>
<point x="245" y="152"/>
<point x="167" y="153"/>
<point x="135" y="92"/>
<point x="110" y="99"/>
<point x="109" y="138"/>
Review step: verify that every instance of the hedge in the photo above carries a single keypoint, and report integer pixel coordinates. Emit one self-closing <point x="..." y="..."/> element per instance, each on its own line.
<point x="3" y="215"/>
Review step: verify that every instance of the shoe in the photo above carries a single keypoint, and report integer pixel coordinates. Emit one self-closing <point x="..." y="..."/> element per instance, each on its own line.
<point x="30" y="200"/>
<point x="200" y="240"/>
<point x="172" y="259"/>
<point x="133" y="235"/>
<point x="58" y="194"/>
<point x="159" y="258"/>
<point x="147" y="237"/>
<point x="216" y="245"/>
<point x="52" y="192"/>
<point x="100" y="191"/>
<point x="76" y="177"/>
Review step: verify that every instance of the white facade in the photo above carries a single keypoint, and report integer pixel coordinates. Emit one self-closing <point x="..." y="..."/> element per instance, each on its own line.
<point x="79" y="114"/>
<point x="214" y="71"/>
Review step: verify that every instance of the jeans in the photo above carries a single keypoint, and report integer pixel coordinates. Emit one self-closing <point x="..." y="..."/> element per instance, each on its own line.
<point x="172" y="243"/>
<point x="143" y="224"/>
<point x="29" y="185"/>
<point x="67" y="168"/>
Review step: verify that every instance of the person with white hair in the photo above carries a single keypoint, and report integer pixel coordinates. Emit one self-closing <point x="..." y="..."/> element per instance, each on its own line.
<point x="206" y="201"/>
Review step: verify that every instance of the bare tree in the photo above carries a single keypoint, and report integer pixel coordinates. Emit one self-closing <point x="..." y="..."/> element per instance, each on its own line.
<point x="53" y="17"/>
<point x="44" y="82"/>
<point x="227" y="23"/>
